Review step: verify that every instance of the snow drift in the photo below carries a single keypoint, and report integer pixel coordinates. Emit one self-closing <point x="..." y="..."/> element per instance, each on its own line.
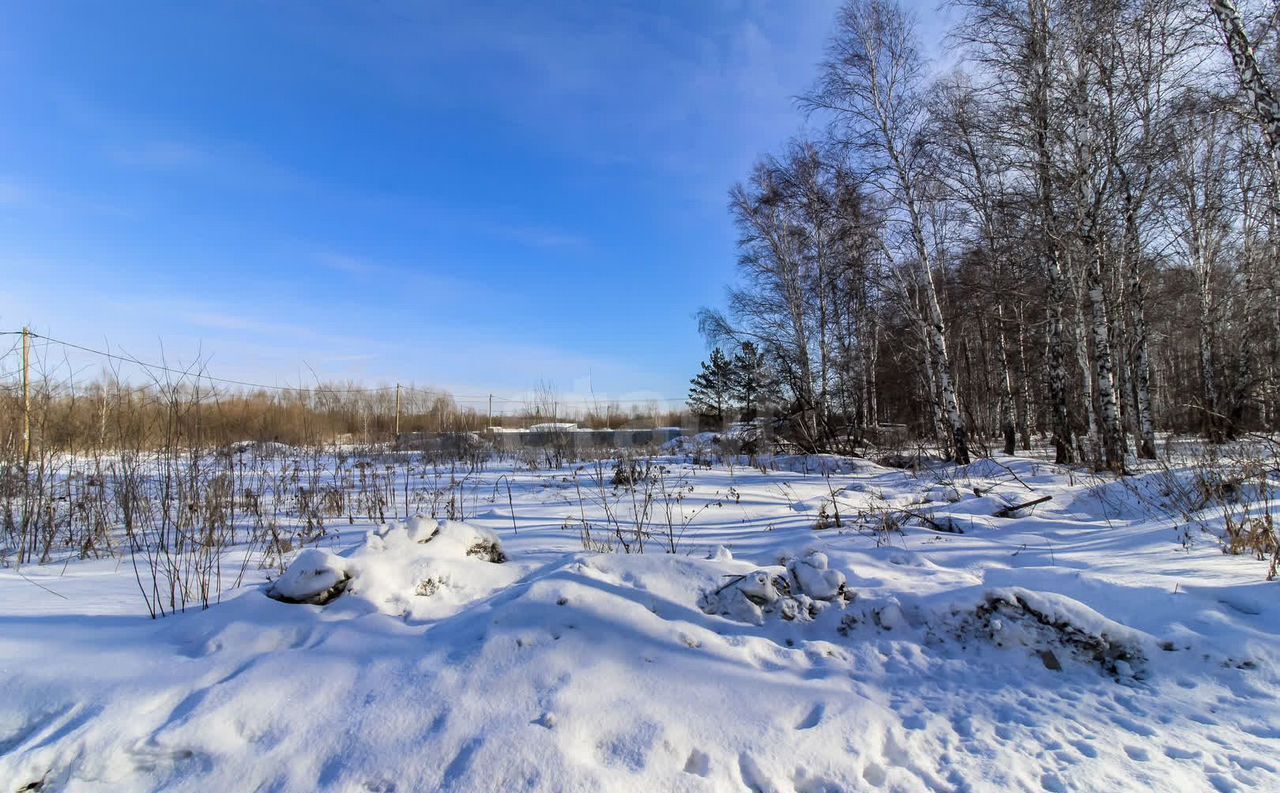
<point x="400" y="565"/>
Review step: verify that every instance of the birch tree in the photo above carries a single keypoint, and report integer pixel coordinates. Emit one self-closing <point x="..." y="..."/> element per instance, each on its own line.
<point x="1198" y="189"/>
<point x="1262" y="98"/>
<point x="1082" y="226"/>
<point x="974" y="168"/>
<point x="1090" y="66"/>
<point x="1255" y="86"/>
<point x="871" y="83"/>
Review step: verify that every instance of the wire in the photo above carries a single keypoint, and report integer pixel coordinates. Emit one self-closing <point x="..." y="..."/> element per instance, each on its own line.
<point x="190" y="373"/>
<point x="320" y="389"/>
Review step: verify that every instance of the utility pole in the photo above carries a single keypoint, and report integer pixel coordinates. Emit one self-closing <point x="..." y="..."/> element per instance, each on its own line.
<point x="26" y="396"/>
<point x="490" y="423"/>
<point x="397" y="411"/>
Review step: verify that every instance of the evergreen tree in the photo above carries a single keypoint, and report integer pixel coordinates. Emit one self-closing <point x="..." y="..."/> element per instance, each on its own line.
<point x="752" y="383"/>
<point x="710" y="392"/>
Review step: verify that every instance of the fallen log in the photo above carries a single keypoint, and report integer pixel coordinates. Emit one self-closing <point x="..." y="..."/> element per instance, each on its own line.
<point x="1008" y="512"/>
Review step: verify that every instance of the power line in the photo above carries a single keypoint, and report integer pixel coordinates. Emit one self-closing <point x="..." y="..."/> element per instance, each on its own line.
<point x="196" y="375"/>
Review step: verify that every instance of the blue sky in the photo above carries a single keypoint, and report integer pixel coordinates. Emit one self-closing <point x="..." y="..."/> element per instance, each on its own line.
<point x="477" y="196"/>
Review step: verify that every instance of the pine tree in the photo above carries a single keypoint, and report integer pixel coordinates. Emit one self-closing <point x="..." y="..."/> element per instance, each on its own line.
<point x="710" y="391"/>
<point x="752" y="383"/>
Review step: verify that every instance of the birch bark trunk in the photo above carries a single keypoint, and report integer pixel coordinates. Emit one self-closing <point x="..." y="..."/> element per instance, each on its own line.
<point x="1028" y="422"/>
<point x="1055" y="364"/>
<point x="1008" y="416"/>
<point x="1113" y="447"/>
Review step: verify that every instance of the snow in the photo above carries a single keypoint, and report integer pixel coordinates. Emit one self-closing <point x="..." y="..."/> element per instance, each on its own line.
<point x="1087" y="643"/>
<point x="423" y="567"/>
<point x="813" y="577"/>
<point x="314" y="573"/>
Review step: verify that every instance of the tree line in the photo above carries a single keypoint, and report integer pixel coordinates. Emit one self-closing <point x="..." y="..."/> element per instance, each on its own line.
<point x="108" y="414"/>
<point x="1069" y="237"/>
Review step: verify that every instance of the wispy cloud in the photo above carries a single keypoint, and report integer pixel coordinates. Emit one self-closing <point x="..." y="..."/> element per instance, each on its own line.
<point x="160" y="155"/>
<point x="717" y="78"/>
<point x="235" y="322"/>
<point x="410" y="277"/>
<point x="44" y="197"/>
<point x="13" y="194"/>
<point x="240" y="320"/>
<point x="428" y="168"/>
<point x="536" y="236"/>
<point x="345" y="263"/>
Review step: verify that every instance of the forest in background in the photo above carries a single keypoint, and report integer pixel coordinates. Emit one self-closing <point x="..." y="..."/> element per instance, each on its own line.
<point x="1070" y="237"/>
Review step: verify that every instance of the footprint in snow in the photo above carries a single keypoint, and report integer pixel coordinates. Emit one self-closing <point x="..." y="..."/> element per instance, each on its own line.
<point x="875" y="774"/>
<point x="805" y="782"/>
<point x="1178" y="753"/>
<point x="1134" y="727"/>
<point x="813" y="717"/>
<point x="754" y="777"/>
<point x="914" y="722"/>
<point x="1137" y="753"/>
<point x="698" y="764"/>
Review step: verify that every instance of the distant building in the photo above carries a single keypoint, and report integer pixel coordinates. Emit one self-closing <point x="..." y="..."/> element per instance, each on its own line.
<point x="554" y="426"/>
<point x="569" y="435"/>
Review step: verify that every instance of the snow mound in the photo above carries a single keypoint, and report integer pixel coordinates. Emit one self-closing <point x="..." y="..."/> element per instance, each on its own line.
<point x="316" y="576"/>
<point x="400" y="566"/>
<point x="800" y="591"/>
<point x="1049" y="624"/>
<point x="721" y="554"/>
<point x="966" y="514"/>
<point x="447" y="538"/>
<point x="1050" y="627"/>
<point x="814" y="577"/>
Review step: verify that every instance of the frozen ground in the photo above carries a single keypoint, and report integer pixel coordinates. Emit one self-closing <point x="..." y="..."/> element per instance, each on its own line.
<point x="1097" y="641"/>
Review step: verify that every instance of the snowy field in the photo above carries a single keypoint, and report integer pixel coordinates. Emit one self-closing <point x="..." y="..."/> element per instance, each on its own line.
<point x="823" y="625"/>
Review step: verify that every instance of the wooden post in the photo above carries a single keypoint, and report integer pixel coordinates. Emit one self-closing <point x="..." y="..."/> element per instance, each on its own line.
<point x="397" y="411"/>
<point x="26" y="396"/>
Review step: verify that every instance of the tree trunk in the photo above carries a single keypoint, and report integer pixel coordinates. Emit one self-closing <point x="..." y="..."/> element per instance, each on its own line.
<point x="1141" y="359"/>
<point x="935" y="403"/>
<point x="1113" y="447"/>
<point x="1008" y="416"/>
<point x="1056" y="368"/>
<point x="1208" y="366"/>
<point x="1056" y="294"/>
<point x="873" y="414"/>
<point x="1255" y="86"/>
<point x="1135" y="297"/>
<point x="1089" y="444"/>
<point x="1028" y="424"/>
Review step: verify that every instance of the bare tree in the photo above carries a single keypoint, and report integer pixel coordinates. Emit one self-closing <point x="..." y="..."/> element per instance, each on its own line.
<point x="1036" y="228"/>
<point x="872" y="84"/>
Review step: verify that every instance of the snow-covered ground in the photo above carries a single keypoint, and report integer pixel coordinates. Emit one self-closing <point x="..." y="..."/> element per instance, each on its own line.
<point x="1097" y="641"/>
